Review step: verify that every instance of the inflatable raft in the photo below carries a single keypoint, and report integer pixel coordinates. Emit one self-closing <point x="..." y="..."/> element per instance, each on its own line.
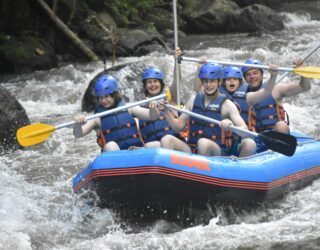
<point x="150" y="184"/>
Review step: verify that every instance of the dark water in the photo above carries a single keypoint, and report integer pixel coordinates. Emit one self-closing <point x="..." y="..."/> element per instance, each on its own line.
<point x="39" y="211"/>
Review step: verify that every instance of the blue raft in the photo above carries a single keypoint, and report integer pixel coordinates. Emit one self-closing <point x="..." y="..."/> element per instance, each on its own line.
<point x="158" y="183"/>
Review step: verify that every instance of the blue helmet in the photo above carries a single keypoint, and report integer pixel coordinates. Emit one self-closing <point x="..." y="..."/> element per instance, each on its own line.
<point x="152" y="73"/>
<point x="231" y="71"/>
<point x="250" y="61"/>
<point x="105" y="85"/>
<point x="210" y="71"/>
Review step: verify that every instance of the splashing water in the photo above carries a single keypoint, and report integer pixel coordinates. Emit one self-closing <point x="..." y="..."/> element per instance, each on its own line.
<point x="39" y="211"/>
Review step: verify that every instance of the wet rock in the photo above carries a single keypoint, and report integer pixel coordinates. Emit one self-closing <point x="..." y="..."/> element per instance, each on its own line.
<point x="163" y="20"/>
<point x="254" y="18"/>
<point x="99" y="28"/>
<point x="131" y="41"/>
<point x="208" y="16"/>
<point x="12" y="117"/>
<point x="269" y="3"/>
<point x="23" y="55"/>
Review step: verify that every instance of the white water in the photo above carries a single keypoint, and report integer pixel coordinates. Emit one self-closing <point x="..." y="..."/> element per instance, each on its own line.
<point x="39" y="211"/>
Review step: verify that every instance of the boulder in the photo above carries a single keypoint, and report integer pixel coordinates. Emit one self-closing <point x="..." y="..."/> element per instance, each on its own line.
<point x="26" y="54"/>
<point x="208" y="16"/>
<point x="12" y="117"/>
<point x="137" y="42"/>
<point x="254" y="18"/>
<point x="269" y="3"/>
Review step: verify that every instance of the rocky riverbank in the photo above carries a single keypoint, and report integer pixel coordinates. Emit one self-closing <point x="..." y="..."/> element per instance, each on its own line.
<point x="30" y="39"/>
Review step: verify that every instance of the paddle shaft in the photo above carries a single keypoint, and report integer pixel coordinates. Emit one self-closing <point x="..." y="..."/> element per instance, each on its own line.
<point x="111" y="111"/>
<point x="237" y="130"/>
<point x="305" y="57"/>
<point x="256" y="66"/>
<point x="177" y="68"/>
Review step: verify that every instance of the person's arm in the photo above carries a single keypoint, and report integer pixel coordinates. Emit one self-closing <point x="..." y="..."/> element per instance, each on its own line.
<point x="148" y="114"/>
<point x="258" y="96"/>
<point x="82" y="128"/>
<point x="230" y="111"/>
<point x="292" y="89"/>
<point x="177" y="123"/>
<point x="173" y="88"/>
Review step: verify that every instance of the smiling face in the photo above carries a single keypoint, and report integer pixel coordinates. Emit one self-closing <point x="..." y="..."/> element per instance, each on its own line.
<point x="254" y="78"/>
<point x="232" y="84"/>
<point x="106" y="101"/>
<point x="153" y="86"/>
<point x="210" y="86"/>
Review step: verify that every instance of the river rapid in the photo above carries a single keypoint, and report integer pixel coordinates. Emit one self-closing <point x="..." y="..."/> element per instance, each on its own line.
<point x="38" y="209"/>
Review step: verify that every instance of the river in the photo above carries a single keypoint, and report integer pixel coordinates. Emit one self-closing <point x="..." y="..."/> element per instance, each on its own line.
<point x="39" y="211"/>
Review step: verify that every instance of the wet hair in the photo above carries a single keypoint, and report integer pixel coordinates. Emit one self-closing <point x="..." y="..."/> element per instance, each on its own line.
<point x="117" y="97"/>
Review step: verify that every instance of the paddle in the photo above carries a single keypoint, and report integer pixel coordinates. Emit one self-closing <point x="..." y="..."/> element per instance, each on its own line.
<point x="308" y="71"/>
<point x="177" y="68"/>
<point x="36" y="133"/>
<point x="279" y="142"/>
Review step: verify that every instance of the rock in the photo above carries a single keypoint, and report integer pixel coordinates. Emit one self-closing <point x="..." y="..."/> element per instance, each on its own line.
<point x="12" y="117"/>
<point x="162" y="19"/>
<point x="208" y="16"/>
<point x="132" y="42"/>
<point x="22" y="56"/>
<point x="98" y="28"/>
<point x="254" y="18"/>
<point x="269" y="3"/>
<point x="147" y="48"/>
<point x="130" y="39"/>
<point x="168" y="33"/>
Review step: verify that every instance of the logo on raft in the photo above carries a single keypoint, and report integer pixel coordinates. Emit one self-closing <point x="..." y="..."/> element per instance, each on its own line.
<point x="185" y="161"/>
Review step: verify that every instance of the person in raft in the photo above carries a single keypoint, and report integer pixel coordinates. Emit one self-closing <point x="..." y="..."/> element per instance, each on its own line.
<point x="269" y="113"/>
<point x="117" y="130"/>
<point x="153" y="131"/>
<point x="205" y="138"/>
<point x="235" y="88"/>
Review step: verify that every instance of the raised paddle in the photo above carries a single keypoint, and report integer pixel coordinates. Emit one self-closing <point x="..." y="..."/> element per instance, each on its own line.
<point x="177" y="68"/>
<point x="279" y="142"/>
<point x="36" y="133"/>
<point x="308" y="71"/>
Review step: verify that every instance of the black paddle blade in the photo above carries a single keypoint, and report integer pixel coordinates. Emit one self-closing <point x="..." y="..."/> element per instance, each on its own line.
<point x="279" y="142"/>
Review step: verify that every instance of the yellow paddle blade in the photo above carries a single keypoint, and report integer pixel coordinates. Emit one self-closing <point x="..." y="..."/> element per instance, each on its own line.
<point x="34" y="134"/>
<point x="308" y="72"/>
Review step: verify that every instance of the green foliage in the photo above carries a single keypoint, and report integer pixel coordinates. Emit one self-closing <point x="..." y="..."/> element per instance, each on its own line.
<point x="18" y="54"/>
<point x="133" y="8"/>
<point x="4" y="38"/>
